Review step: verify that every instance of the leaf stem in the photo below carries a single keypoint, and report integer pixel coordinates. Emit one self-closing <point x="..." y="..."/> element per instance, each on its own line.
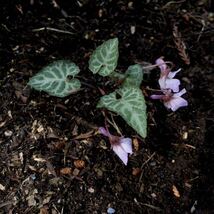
<point x="117" y="75"/>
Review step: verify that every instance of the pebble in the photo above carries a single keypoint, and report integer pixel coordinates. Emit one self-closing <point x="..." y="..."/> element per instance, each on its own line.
<point x="153" y="195"/>
<point x="110" y="210"/>
<point x="133" y="29"/>
<point x="153" y="163"/>
<point x="33" y="176"/>
<point x="91" y="190"/>
<point x="8" y="133"/>
<point x="185" y="135"/>
<point x="2" y="188"/>
<point x="76" y="172"/>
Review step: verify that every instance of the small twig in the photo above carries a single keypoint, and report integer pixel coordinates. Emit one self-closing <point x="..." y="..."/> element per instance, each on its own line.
<point x="190" y="146"/>
<point x="6" y="28"/>
<point x="152" y="207"/>
<point x="87" y="84"/>
<point x="62" y="210"/>
<point x="148" y="68"/>
<point x="3" y="204"/>
<point x="111" y="122"/>
<point x="83" y="122"/>
<point x="151" y="89"/>
<point x="202" y="30"/>
<point x="144" y="163"/>
<point x="115" y="125"/>
<point x="185" y="145"/>
<point x="54" y="206"/>
<point x="144" y="204"/>
<point x="192" y="179"/>
<point x="154" y="66"/>
<point x="52" y="29"/>
<point x="172" y="2"/>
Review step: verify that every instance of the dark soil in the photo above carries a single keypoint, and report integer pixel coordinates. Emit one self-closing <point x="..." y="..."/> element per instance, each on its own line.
<point x="44" y="140"/>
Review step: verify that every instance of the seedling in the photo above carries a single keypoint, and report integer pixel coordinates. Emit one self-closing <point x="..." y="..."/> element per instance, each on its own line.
<point x="59" y="79"/>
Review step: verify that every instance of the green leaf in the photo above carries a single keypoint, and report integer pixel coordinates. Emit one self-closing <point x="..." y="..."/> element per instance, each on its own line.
<point x="57" y="79"/>
<point x="129" y="103"/>
<point x="104" y="59"/>
<point x="134" y="76"/>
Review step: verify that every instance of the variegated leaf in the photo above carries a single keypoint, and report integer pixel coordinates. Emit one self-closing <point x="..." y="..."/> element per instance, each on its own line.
<point x="134" y="76"/>
<point x="129" y="103"/>
<point x="57" y="79"/>
<point x="104" y="59"/>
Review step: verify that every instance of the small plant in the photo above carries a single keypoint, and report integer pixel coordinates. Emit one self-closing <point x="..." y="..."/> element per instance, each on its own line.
<point x="59" y="79"/>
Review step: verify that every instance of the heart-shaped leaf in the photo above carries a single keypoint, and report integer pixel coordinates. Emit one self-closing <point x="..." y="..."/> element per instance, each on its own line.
<point x="129" y="103"/>
<point x="57" y="79"/>
<point x="104" y="59"/>
<point x="134" y="76"/>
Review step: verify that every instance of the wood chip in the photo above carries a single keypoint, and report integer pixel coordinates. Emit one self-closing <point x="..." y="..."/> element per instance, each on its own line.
<point x="46" y="200"/>
<point x="58" y="145"/>
<point x="51" y="133"/>
<point x="51" y="169"/>
<point x="66" y="171"/>
<point x="85" y="135"/>
<point x="40" y="128"/>
<point x="175" y="191"/>
<point x="136" y="171"/>
<point x="136" y="144"/>
<point x="43" y="210"/>
<point x="20" y="96"/>
<point x="188" y="185"/>
<point x="32" y="168"/>
<point x="76" y="172"/>
<point x="10" y="114"/>
<point x="38" y="159"/>
<point x="79" y="164"/>
<point x="31" y="198"/>
<point x="3" y="123"/>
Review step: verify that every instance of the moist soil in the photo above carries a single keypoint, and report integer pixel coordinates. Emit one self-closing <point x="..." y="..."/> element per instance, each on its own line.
<point x="51" y="158"/>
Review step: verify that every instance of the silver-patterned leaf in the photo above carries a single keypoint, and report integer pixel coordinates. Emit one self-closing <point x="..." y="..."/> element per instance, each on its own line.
<point x="57" y="79"/>
<point x="104" y="59"/>
<point x="134" y="76"/>
<point x="129" y="103"/>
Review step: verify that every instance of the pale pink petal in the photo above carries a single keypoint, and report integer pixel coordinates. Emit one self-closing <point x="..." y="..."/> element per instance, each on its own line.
<point x="126" y="144"/>
<point x="103" y="131"/>
<point x="173" y="73"/>
<point x="161" y="64"/>
<point x="175" y="103"/>
<point x="156" y="97"/>
<point x="179" y="94"/>
<point x="173" y="84"/>
<point x="162" y="82"/>
<point x="121" y="153"/>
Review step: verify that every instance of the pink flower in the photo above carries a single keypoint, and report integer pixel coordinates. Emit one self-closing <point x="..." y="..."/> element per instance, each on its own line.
<point x="171" y="100"/>
<point x="166" y="80"/>
<point x="120" y="145"/>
